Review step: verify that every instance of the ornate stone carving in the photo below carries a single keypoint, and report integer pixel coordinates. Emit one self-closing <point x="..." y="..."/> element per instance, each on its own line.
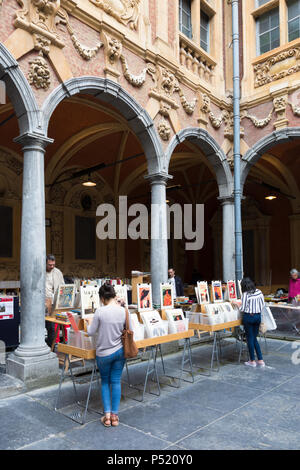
<point x="41" y="43"/>
<point x="134" y="80"/>
<point x="38" y="16"/>
<point x="259" y="123"/>
<point x="290" y="64"/>
<point x="85" y="52"/>
<point x="188" y="107"/>
<point x="11" y="162"/>
<point x="124" y="11"/>
<point x="57" y="225"/>
<point x="280" y="104"/>
<point x="113" y="49"/>
<point x="226" y="117"/>
<point x="164" y="130"/>
<point x="57" y="194"/>
<point x="216" y="122"/>
<point x="164" y="109"/>
<point x="205" y="103"/>
<point x="39" y="73"/>
<point x="295" y="109"/>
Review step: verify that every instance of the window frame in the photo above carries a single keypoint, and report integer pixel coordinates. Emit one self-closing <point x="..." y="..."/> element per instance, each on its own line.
<point x="288" y="21"/>
<point x="258" y="34"/>
<point x="203" y="12"/>
<point x="189" y="14"/>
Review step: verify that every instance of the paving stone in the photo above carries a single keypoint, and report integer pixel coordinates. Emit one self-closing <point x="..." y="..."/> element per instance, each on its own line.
<point x="188" y="417"/>
<point x="96" y="436"/>
<point x="234" y="433"/>
<point x="26" y="421"/>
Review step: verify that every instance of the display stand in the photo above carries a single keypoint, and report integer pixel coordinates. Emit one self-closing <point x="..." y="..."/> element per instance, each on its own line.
<point x="215" y="330"/>
<point x="82" y="354"/>
<point x="61" y="325"/>
<point x="154" y="345"/>
<point x="290" y="313"/>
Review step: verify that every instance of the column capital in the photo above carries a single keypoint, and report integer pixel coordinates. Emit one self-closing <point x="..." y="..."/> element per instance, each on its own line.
<point x="226" y="200"/>
<point x="158" y="178"/>
<point x="32" y="141"/>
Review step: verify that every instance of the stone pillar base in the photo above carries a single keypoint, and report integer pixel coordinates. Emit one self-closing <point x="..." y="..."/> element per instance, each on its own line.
<point x="35" y="372"/>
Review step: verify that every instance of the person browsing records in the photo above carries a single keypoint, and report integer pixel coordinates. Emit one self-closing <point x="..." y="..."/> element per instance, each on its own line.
<point x="251" y="306"/>
<point x="54" y="278"/>
<point x="176" y="282"/>
<point x="294" y="285"/>
<point x="107" y="326"/>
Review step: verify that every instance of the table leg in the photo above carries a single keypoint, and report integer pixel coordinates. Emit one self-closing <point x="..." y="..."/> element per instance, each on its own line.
<point x="151" y="359"/>
<point x="62" y="377"/>
<point x="186" y="348"/>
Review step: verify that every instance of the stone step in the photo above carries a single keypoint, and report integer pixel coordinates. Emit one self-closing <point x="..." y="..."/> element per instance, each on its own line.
<point x="9" y="386"/>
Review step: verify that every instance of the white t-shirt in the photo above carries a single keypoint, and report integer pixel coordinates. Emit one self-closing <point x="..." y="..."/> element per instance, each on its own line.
<point x="54" y="279"/>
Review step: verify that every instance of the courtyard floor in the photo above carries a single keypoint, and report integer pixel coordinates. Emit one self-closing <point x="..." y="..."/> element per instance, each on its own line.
<point x="235" y="408"/>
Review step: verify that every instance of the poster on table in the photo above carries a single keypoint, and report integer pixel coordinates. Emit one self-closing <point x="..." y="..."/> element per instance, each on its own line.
<point x="231" y="288"/>
<point x="154" y="325"/>
<point x="166" y="296"/>
<point x="144" y="297"/>
<point x="6" y="308"/>
<point x="203" y="292"/>
<point x="176" y="320"/>
<point x="121" y="295"/>
<point x="217" y="294"/>
<point x="89" y="298"/>
<point x="65" y="297"/>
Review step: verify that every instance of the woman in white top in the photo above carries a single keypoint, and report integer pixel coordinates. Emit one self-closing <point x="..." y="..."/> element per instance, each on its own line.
<point x="251" y="305"/>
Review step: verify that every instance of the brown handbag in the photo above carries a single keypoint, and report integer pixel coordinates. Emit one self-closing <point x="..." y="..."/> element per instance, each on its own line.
<point x="129" y="346"/>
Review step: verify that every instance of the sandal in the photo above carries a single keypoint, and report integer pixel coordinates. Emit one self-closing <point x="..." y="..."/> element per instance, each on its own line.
<point x="114" y="420"/>
<point x="106" y="421"/>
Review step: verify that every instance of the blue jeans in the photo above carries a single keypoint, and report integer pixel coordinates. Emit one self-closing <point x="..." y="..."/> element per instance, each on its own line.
<point x="251" y="324"/>
<point x="111" y="368"/>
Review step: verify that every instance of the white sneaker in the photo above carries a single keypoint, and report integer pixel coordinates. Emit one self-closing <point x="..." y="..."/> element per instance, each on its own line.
<point x="261" y="365"/>
<point x="250" y="364"/>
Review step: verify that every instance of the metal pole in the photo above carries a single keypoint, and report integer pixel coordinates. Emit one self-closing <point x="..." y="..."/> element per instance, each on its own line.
<point x="236" y="145"/>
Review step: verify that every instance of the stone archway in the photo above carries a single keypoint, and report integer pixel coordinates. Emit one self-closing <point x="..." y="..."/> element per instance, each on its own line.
<point x="110" y="92"/>
<point x="259" y="148"/>
<point x="20" y="93"/>
<point x="213" y="152"/>
<point x="217" y="161"/>
<point x="264" y="153"/>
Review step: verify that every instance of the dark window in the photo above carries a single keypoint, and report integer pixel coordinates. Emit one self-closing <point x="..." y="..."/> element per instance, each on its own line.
<point x="204" y="31"/>
<point x="294" y="19"/>
<point x="268" y="31"/>
<point x="6" y="232"/>
<point x="185" y="17"/>
<point x="85" y="238"/>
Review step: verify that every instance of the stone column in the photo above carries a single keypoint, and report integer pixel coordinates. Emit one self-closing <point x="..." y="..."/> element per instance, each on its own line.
<point x="159" y="241"/>
<point x="228" y="238"/>
<point x="32" y="361"/>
